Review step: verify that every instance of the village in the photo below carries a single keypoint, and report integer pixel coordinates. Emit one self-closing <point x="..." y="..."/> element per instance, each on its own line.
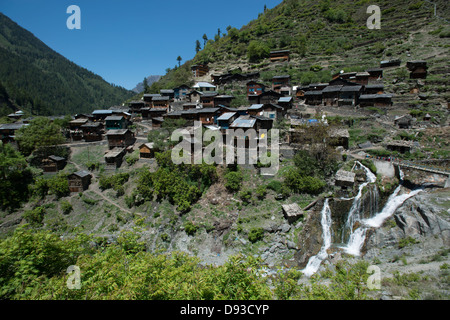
<point x="266" y="105"/>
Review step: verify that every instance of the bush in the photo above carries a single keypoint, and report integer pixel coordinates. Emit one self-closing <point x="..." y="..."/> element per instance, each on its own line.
<point x="303" y="184"/>
<point x="66" y="207"/>
<point x="233" y="181"/>
<point x="35" y="216"/>
<point x="190" y="228"/>
<point x="255" y="234"/>
<point x="275" y="185"/>
<point x="257" y="50"/>
<point x="59" y="186"/>
<point x="246" y="196"/>
<point x="261" y="192"/>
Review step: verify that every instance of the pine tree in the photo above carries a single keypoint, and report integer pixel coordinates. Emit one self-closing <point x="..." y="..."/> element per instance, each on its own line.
<point x="179" y="60"/>
<point x="205" y="38"/>
<point x="146" y="87"/>
<point x="197" y="46"/>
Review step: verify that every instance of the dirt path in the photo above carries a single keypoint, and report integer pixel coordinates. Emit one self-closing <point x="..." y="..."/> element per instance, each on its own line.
<point x="96" y="189"/>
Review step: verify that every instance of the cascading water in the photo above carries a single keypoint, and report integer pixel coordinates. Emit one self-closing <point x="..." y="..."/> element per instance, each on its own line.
<point x="315" y="261"/>
<point x="394" y="201"/>
<point x="357" y="236"/>
<point x="355" y="210"/>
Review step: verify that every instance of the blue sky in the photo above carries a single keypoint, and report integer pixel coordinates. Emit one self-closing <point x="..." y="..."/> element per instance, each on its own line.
<point x="125" y="40"/>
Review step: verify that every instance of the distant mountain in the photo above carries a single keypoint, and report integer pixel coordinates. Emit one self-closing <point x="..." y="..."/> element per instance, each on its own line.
<point x="150" y="79"/>
<point x="41" y="81"/>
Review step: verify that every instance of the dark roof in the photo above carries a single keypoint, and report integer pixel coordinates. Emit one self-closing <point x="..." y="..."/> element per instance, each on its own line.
<point x="332" y="89"/>
<point x="166" y="91"/>
<point x="206" y="110"/>
<point x="91" y="125"/>
<point x="351" y="88"/>
<point x="375" y="86"/>
<point x="12" y="126"/>
<point x="281" y="77"/>
<point x="226" y="116"/>
<point x="224" y="96"/>
<point x="313" y="93"/>
<point x="163" y="98"/>
<point x="102" y="112"/>
<point x="280" y="51"/>
<point x="56" y="158"/>
<point x="114" y="118"/>
<point x="117" y="132"/>
<point x="82" y="173"/>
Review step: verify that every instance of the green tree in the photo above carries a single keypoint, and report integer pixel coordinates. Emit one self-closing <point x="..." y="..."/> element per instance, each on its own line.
<point x="257" y="50"/>
<point x="233" y="180"/>
<point x="41" y="132"/>
<point x="179" y="60"/>
<point x="15" y="176"/>
<point x="197" y="46"/>
<point x="146" y="86"/>
<point x="205" y="39"/>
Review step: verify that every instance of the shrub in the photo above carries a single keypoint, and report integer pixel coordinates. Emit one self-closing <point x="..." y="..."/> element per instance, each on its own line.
<point x="233" y="181"/>
<point x="66" y="207"/>
<point x="59" y="186"/>
<point x="261" y="191"/>
<point x="246" y="196"/>
<point x="190" y="228"/>
<point x="35" y="216"/>
<point x="255" y="234"/>
<point x="275" y="185"/>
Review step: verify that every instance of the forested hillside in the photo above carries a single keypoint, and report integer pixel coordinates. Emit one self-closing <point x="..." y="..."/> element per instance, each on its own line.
<point x="41" y="81"/>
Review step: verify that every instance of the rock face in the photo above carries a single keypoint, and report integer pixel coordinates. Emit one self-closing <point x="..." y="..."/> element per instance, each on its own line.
<point x="425" y="218"/>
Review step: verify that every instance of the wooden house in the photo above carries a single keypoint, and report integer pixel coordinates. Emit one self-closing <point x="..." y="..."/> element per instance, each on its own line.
<point x="280" y="81"/>
<point x="136" y="106"/>
<point x="79" y="181"/>
<point x="8" y="131"/>
<point x="222" y="99"/>
<point x="114" y="158"/>
<point x="417" y="68"/>
<point x="53" y="164"/>
<point x="375" y="100"/>
<point x="339" y="137"/>
<point x="224" y="120"/>
<point x="285" y="102"/>
<point x="150" y="113"/>
<point x="348" y="96"/>
<point x="376" y="88"/>
<point x="375" y="74"/>
<point x="121" y="138"/>
<point x="100" y="115"/>
<point x="161" y="102"/>
<point x="194" y="96"/>
<point x="92" y="131"/>
<point x="390" y="63"/>
<point x="207" y="99"/>
<point x="263" y="122"/>
<point x="199" y="70"/>
<point x="75" y="131"/>
<point x="265" y="97"/>
<point x="148" y="98"/>
<point x="330" y="95"/>
<point x="207" y="115"/>
<point x="313" y="98"/>
<point x="180" y="93"/>
<point x="157" y="122"/>
<point x="167" y="93"/>
<point x="147" y="150"/>
<point x="300" y="91"/>
<point x="204" y="87"/>
<point x="279" y="55"/>
<point x="401" y="146"/>
<point x="268" y="110"/>
<point x="115" y="122"/>
<point x="317" y="86"/>
<point x="255" y="88"/>
<point x="362" y="78"/>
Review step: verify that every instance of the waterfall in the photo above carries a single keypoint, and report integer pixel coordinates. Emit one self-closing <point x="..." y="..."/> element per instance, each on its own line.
<point x="315" y="261"/>
<point x="355" y="210"/>
<point x="394" y="201"/>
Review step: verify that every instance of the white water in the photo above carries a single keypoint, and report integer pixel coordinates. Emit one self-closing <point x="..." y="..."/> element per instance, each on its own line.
<point x="354" y="213"/>
<point x="394" y="201"/>
<point x="357" y="236"/>
<point x="315" y="261"/>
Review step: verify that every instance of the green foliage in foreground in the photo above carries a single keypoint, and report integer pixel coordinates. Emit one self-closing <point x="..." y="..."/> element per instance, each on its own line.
<point x="33" y="265"/>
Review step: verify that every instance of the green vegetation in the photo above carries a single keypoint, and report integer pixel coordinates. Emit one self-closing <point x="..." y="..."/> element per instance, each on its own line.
<point x="255" y="235"/>
<point x="233" y="180"/>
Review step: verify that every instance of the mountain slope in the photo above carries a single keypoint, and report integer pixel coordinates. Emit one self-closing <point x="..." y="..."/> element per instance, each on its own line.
<point x="43" y="82"/>
<point x="326" y="36"/>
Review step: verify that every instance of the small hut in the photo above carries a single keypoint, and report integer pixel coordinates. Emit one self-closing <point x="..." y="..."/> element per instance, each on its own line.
<point x="79" y="181"/>
<point x="292" y="212"/>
